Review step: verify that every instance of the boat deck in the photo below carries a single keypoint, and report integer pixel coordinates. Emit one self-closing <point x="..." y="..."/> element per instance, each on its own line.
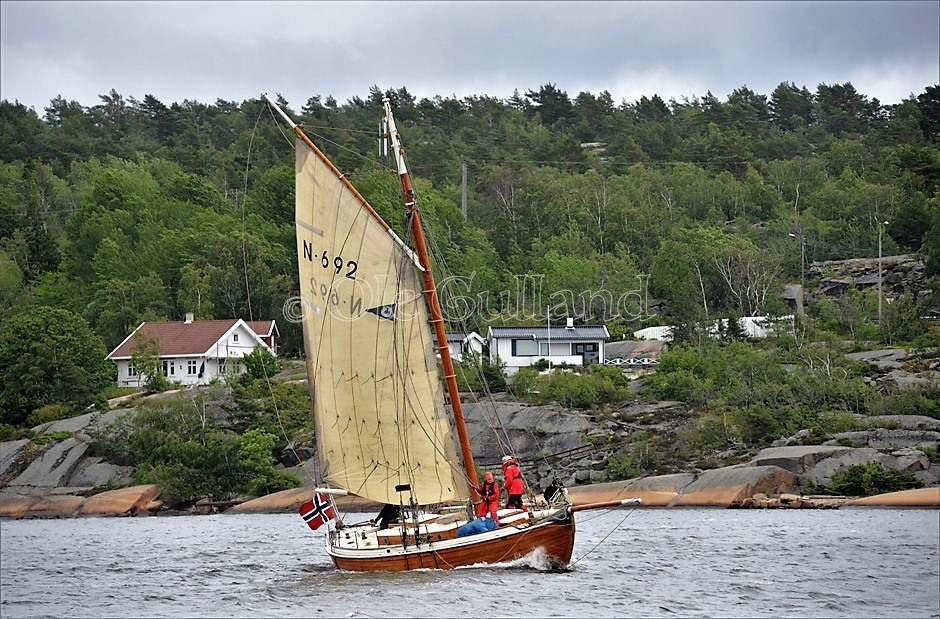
<point x="430" y="528"/>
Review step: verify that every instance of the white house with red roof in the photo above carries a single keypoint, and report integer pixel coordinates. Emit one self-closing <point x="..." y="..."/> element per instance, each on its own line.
<point x="195" y="352"/>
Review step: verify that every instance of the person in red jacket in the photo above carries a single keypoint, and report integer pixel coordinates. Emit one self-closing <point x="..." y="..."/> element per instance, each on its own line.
<point x="513" y="482"/>
<point x="489" y="492"/>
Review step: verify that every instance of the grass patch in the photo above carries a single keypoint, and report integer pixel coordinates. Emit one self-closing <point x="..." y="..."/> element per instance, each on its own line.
<point x="45" y="439"/>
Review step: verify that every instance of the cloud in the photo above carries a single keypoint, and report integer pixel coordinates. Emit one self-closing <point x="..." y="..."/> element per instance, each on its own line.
<point x="234" y="50"/>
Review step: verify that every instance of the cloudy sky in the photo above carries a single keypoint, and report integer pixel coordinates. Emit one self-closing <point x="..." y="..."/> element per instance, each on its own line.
<point x="206" y="51"/>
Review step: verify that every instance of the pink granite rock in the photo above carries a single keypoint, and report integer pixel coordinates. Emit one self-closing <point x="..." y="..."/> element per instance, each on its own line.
<point x="122" y="502"/>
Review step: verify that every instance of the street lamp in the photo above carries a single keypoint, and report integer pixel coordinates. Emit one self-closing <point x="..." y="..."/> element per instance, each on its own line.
<point x="881" y="225"/>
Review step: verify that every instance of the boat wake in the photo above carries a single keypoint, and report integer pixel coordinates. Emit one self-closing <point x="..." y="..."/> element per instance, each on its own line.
<point x="537" y="560"/>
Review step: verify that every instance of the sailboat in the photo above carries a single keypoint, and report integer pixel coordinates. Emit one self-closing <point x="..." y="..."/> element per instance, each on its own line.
<point x="372" y="326"/>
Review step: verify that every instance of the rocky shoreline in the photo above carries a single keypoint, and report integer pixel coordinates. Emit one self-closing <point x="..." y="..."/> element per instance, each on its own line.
<point x="63" y="478"/>
<point x="144" y="501"/>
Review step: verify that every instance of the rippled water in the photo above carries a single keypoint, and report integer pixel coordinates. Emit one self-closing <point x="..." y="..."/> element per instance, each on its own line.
<point x="850" y="563"/>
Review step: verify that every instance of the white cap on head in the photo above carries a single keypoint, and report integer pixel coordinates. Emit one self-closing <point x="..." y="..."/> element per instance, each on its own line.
<point x="507" y="458"/>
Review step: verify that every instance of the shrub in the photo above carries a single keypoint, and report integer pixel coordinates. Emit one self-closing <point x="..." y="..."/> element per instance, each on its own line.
<point x="49" y="412"/>
<point x="870" y="479"/>
<point x="570" y="390"/>
<point x="145" y="357"/>
<point x="9" y="432"/>
<point x="259" y="364"/>
<point x="639" y="460"/>
<point x="478" y="373"/>
<point x="178" y="444"/>
<point x="931" y="454"/>
<point x="255" y="457"/>
<point x="49" y="437"/>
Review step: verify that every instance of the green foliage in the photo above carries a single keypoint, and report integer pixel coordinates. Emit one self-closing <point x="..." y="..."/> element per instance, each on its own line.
<point x="50" y="356"/>
<point x="49" y="412"/>
<point x="871" y="479"/>
<point x="280" y="409"/>
<point x="477" y="373"/>
<point x="255" y="449"/>
<point x="145" y="358"/>
<point x="931" y="453"/>
<point x="569" y="389"/>
<point x="43" y="439"/>
<point x="135" y="215"/>
<point x="746" y="397"/>
<point x="598" y="385"/>
<point x="259" y="364"/>
<point x="12" y="433"/>
<point x="638" y="461"/>
<point x="927" y="345"/>
<point x="179" y="444"/>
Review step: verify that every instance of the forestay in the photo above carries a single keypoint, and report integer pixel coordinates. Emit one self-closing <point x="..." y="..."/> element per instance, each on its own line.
<point x="378" y="406"/>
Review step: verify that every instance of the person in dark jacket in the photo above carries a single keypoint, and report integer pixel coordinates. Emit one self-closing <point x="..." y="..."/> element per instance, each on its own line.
<point x="513" y="482"/>
<point x="390" y="514"/>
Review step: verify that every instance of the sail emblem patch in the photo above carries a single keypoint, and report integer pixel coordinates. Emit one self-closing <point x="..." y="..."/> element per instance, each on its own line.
<point x="384" y="311"/>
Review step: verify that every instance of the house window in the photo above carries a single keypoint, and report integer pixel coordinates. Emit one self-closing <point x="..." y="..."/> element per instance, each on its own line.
<point x="191" y="367"/>
<point x="131" y="370"/>
<point x="580" y="349"/>
<point x="235" y="337"/>
<point x="525" y="348"/>
<point x="558" y="349"/>
<point x="169" y="368"/>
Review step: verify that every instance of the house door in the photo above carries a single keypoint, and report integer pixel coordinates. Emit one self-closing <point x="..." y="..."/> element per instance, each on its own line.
<point x="588" y="352"/>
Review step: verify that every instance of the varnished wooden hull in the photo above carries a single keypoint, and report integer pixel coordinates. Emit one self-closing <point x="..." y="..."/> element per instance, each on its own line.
<point x="554" y="539"/>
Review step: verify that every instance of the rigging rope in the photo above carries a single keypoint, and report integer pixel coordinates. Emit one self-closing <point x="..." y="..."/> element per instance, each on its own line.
<point x="604" y="539"/>
<point x="264" y="367"/>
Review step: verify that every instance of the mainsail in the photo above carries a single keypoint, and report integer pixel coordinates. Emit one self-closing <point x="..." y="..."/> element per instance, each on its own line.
<point x="378" y="406"/>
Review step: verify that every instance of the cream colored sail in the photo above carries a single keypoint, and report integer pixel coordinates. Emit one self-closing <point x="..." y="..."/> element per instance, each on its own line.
<point x="378" y="405"/>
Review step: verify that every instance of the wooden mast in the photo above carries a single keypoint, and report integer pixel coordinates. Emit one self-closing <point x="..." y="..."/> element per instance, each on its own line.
<point x="430" y="291"/>
<point x="421" y="250"/>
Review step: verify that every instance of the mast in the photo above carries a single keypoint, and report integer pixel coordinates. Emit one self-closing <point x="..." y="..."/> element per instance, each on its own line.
<point x="430" y="291"/>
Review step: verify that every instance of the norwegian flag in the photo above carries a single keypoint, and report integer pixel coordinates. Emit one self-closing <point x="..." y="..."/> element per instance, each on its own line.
<point x="317" y="511"/>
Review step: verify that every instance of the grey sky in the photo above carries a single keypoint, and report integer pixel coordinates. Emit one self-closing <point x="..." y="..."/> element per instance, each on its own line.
<point x="235" y="50"/>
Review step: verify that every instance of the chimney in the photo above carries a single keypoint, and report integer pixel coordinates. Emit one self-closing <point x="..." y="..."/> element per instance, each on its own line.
<point x="570" y="324"/>
<point x="189" y="318"/>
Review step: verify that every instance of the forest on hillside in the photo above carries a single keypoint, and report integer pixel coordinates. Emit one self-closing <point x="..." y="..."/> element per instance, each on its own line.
<point x="129" y="210"/>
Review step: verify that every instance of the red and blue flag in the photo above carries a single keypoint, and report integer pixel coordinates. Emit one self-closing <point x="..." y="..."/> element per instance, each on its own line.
<point x="317" y="511"/>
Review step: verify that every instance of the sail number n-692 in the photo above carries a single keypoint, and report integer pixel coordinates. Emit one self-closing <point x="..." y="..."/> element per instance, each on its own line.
<point x="335" y="262"/>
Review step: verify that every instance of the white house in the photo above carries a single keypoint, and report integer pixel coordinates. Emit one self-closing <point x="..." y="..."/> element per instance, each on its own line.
<point x="520" y="347"/>
<point x="194" y="352"/>
<point x="460" y="342"/>
<point x="752" y="326"/>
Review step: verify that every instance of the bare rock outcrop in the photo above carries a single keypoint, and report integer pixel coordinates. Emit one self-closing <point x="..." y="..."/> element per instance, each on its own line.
<point x="921" y="497"/>
<point x="290" y="501"/>
<point x="713" y="488"/>
<point x="121" y="502"/>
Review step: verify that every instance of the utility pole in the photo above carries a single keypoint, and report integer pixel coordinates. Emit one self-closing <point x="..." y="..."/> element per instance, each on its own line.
<point x="463" y="189"/>
<point x="548" y="318"/>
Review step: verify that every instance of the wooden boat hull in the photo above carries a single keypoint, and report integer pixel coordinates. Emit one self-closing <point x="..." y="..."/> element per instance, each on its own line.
<point x="553" y="538"/>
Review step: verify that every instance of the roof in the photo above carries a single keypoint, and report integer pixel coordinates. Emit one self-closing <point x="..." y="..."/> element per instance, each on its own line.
<point x="585" y="332"/>
<point x="263" y="328"/>
<point x="462" y="336"/>
<point x="654" y="333"/>
<point x="179" y="338"/>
